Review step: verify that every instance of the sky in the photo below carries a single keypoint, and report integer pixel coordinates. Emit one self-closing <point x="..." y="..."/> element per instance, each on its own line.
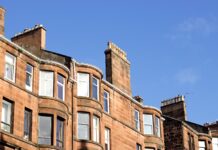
<point x="171" y="44"/>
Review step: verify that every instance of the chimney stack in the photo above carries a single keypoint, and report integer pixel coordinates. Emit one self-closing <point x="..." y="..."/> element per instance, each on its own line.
<point x="2" y="21"/>
<point x="174" y="108"/>
<point x="118" y="68"/>
<point x="32" y="39"/>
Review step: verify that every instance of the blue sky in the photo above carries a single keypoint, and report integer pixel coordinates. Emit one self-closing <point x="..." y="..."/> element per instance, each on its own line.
<point x="172" y="45"/>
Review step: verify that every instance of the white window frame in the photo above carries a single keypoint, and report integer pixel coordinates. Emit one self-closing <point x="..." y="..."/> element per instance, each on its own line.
<point x="202" y="145"/>
<point x="10" y="64"/>
<point x="138" y="146"/>
<point x="157" y="126"/>
<point x="137" y="119"/>
<point x="85" y="81"/>
<point x="84" y="124"/>
<point x="215" y="143"/>
<point x="6" y="124"/>
<point x="107" y="99"/>
<point x="148" y="125"/>
<point x="31" y="80"/>
<point x="97" y="85"/>
<point x="96" y="124"/>
<point x="107" y="138"/>
<point x="62" y="85"/>
<point x="44" y="89"/>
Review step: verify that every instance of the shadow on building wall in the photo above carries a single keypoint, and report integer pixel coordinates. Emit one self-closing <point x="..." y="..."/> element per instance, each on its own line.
<point x="83" y="145"/>
<point x="1" y="143"/>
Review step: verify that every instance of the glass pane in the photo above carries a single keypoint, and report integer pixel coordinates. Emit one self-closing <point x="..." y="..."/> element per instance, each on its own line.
<point x="148" y="129"/>
<point x="60" y="132"/>
<point x="83" y="118"/>
<point x="60" y="92"/>
<point x="83" y="84"/>
<point x="5" y="127"/>
<point x="27" y="124"/>
<point x="29" y="69"/>
<point x="45" y="127"/>
<point x="94" y="81"/>
<point x="148" y="119"/>
<point x="9" y="71"/>
<point x="95" y="92"/>
<point x="28" y="79"/>
<point x="60" y="79"/>
<point x="46" y="83"/>
<point x="105" y="105"/>
<point x="83" y="132"/>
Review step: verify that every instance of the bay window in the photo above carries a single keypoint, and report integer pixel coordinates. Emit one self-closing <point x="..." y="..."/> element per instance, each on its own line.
<point x="157" y="126"/>
<point x="83" y="84"/>
<point x="95" y="88"/>
<point x="45" y="130"/>
<point x="61" y="85"/>
<point x="96" y="129"/>
<point x="46" y="83"/>
<point x="148" y="124"/>
<point x="60" y="133"/>
<point x="83" y="126"/>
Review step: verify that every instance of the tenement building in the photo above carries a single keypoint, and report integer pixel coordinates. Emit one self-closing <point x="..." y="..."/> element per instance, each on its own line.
<point x="50" y="101"/>
<point x="214" y="131"/>
<point x="179" y="133"/>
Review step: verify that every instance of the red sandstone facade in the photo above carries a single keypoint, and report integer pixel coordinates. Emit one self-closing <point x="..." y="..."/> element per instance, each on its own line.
<point x="50" y="101"/>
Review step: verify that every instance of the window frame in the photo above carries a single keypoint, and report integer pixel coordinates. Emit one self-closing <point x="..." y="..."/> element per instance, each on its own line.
<point x="14" y="67"/>
<point x="62" y="85"/>
<point x="51" y="130"/>
<point x="137" y="119"/>
<point x="83" y="124"/>
<point x="61" y="141"/>
<point x="150" y="125"/>
<point x="30" y="88"/>
<point x="200" y="147"/>
<point x="107" y="138"/>
<point x="29" y="136"/>
<point x="41" y="84"/>
<point x="79" y="81"/>
<point x="10" y="115"/>
<point x="96" y="129"/>
<point x="138" y="146"/>
<point x="157" y="127"/>
<point x="106" y="99"/>
<point x="96" y="85"/>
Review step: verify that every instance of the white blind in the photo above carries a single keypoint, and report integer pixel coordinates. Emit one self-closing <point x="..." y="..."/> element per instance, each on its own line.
<point x="46" y="83"/>
<point x="83" y="126"/>
<point x="83" y="84"/>
<point x="6" y="112"/>
<point x="96" y="129"/>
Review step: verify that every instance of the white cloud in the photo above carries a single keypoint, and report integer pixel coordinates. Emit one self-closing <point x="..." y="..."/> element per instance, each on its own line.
<point x="187" y="76"/>
<point x="187" y="29"/>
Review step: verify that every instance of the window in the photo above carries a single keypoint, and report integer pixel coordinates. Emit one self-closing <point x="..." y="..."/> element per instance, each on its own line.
<point x="149" y="149"/>
<point x="60" y="133"/>
<point x="107" y="139"/>
<point x="215" y="143"/>
<point x="106" y="102"/>
<point x="202" y="145"/>
<point x="138" y="147"/>
<point x="148" y="124"/>
<point x="157" y="126"/>
<point x="46" y="83"/>
<point x="10" y="62"/>
<point x="191" y="142"/>
<point x="60" y="84"/>
<point x="137" y="122"/>
<point x="27" y="124"/>
<point x="83" y="126"/>
<point x="83" y="84"/>
<point x="29" y="77"/>
<point x="6" y="123"/>
<point x="45" y="130"/>
<point x="95" y="88"/>
<point x="96" y="129"/>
